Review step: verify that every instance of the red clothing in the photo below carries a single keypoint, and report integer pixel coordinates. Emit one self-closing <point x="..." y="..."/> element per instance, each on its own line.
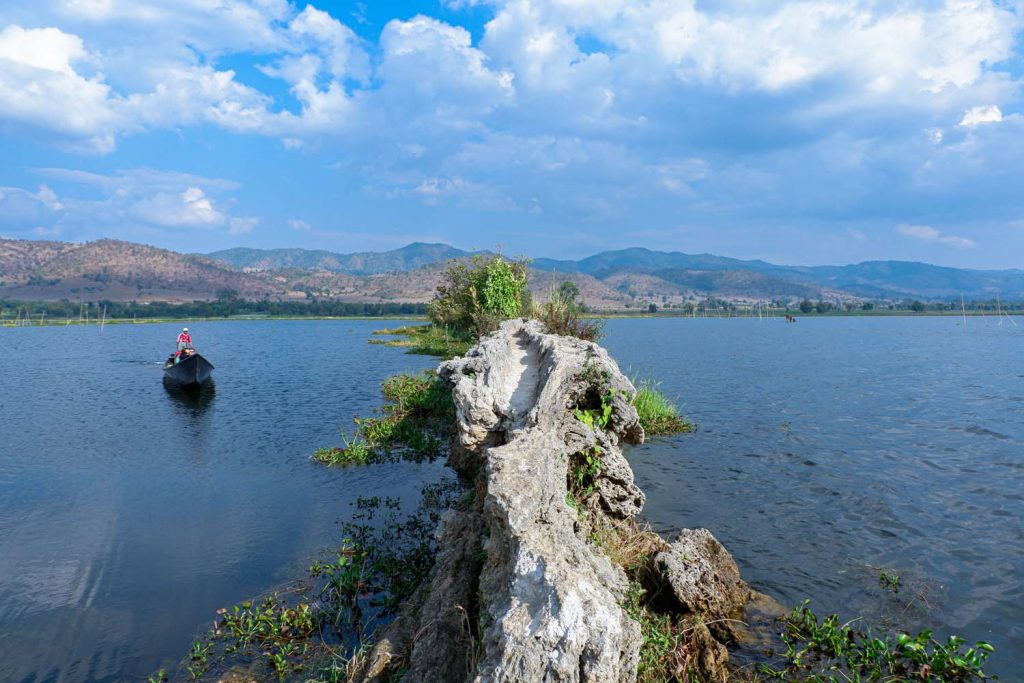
<point x="185" y="338"/>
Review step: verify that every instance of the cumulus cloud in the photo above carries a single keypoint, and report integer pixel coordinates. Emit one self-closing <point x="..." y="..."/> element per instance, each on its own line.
<point x="188" y="208"/>
<point x="926" y="233"/>
<point x="22" y="209"/>
<point x="975" y="116"/>
<point x="611" y="110"/>
<point x="126" y="201"/>
<point x="531" y="60"/>
<point x="40" y="88"/>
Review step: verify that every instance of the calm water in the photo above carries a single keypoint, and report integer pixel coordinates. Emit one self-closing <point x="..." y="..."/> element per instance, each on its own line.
<point x="835" y="445"/>
<point x="127" y="515"/>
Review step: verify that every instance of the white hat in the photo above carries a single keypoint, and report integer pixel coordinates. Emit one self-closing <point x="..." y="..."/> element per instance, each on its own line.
<point x="184" y="329"/>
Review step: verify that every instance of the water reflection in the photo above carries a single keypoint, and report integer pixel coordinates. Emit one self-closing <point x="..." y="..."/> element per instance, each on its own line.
<point x="192" y="401"/>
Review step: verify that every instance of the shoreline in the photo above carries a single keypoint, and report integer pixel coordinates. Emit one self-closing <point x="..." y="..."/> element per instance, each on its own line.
<point x="615" y="315"/>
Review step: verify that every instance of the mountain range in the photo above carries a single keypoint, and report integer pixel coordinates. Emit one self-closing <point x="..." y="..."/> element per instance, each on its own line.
<point x="628" y="278"/>
<point x="707" y="273"/>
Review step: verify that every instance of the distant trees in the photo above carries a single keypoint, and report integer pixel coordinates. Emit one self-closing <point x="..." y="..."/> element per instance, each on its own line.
<point x="806" y="306"/>
<point x="59" y="310"/>
<point x="917" y="306"/>
<point x="569" y="290"/>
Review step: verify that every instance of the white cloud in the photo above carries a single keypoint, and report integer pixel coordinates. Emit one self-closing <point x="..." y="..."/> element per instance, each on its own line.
<point x="21" y="209"/>
<point x="344" y="57"/>
<point x="40" y="89"/>
<point x="299" y="224"/>
<point x="122" y="203"/>
<point x="149" y="64"/>
<point x="926" y="233"/>
<point x="191" y="207"/>
<point x="976" y="116"/>
<point x="432" y="66"/>
<point x="242" y="225"/>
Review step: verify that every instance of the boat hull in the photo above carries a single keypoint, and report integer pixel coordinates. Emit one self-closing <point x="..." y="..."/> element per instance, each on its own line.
<point x="191" y="371"/>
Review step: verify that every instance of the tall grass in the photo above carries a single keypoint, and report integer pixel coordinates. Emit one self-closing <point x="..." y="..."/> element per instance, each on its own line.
<point x="562" y="315"/>
<point x="657" y="414"/>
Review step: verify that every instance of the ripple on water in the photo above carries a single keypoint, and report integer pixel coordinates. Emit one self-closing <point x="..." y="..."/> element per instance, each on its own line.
<point x="916" y="452"/>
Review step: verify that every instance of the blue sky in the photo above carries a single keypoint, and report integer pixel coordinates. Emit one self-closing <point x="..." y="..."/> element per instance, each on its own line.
<point x="796" y="132"/>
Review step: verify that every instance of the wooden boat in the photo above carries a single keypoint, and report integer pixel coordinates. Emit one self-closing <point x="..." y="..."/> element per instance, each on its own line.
<point x="191" y="370"/>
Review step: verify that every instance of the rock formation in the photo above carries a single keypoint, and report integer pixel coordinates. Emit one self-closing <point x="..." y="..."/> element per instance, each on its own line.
<point x="520" y="591"/>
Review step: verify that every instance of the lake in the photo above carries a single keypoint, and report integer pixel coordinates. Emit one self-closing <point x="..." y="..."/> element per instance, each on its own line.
<point x="827" y="451"/>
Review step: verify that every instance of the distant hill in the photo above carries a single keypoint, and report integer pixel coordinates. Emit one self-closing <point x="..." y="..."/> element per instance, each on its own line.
<point x="115" y="270"/>
<point x="627" y="278"/>
<point x="409" y="257"/>
<point x="872" y="279"/>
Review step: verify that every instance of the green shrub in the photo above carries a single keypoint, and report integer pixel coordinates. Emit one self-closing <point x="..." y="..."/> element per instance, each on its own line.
<point x="475" y="297"/>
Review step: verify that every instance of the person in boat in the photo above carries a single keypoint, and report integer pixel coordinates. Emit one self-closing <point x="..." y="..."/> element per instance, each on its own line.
<point x="184" y="345"/>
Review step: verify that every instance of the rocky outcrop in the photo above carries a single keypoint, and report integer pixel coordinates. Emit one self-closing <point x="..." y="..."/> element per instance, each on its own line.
<point x="704" y="579"/>
<point x="519" y="591"/>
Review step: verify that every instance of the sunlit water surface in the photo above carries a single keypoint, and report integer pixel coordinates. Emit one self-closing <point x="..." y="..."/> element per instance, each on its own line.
<point x="835" y="448"/>
<point x="827" y="449"/>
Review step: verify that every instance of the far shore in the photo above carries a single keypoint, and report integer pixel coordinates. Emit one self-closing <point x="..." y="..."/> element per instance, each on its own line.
<point x="745" y="314"/>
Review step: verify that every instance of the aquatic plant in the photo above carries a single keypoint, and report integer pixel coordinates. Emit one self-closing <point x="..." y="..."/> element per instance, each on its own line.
<point x="657" y="414"/>
<point x="823" y="650"/>
<point x="890" y="581"/>
<point x="414" y="423"/>
<point x="356" y="451"/>
<point x="384" y="556"/>
<point x="428" y="340"/>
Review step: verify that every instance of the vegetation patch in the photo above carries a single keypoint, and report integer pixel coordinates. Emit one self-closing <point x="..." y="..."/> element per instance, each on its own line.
<point x="823" y="650"/>
<point x="475" y="297"/>
<point x="315" y="630"/>
<point x="670" y="647"/>
<point x="415" y="423"/>
<point x="658" y="415"/>
<point x="427" y="340"/>
<point x="563" y="314"/>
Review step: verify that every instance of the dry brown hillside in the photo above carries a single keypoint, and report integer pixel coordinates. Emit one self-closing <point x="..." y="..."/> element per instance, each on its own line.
<point x="115" y="270"/>
<point x="124" y="271"/>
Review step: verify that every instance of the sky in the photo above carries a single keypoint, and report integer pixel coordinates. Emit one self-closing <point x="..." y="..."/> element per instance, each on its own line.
<point x="795" y="132"/>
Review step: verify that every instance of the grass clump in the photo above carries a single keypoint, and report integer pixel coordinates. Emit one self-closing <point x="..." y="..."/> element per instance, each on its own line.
<point x="670" y="648"/>
<point x="657" y="414"/>
<point x="823" y="650"/>
<point x="427" y="340"/>
<point x="415" y="422"/>
<point x="562" y="314"/>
